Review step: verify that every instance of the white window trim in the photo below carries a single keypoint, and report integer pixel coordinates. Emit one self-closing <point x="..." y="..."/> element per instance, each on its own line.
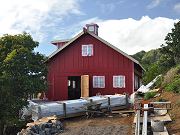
<point x="88" y="47"/>
<point x="94" y="83"/>
<point x="120" y="83"/>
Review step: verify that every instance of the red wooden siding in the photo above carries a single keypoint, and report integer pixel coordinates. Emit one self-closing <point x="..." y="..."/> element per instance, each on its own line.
<point x="105" y="62"/>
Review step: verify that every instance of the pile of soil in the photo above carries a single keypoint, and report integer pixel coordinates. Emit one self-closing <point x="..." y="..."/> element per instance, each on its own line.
<point x="174" y="126"/>
<point x="99" y="126"/>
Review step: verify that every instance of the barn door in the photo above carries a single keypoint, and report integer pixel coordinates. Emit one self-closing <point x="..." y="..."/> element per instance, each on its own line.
<point x="85" y="86"/>
<point x="74" y="87"/>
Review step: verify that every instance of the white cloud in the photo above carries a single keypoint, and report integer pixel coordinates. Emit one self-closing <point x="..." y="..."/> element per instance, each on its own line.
<point x="154" y="4"/>
<point x="74" y="29"/>
<point x="34" y="16"/>
<point x="129" y="35"/>
<point x="177" y="7"/>
<point x="132" y="36"/>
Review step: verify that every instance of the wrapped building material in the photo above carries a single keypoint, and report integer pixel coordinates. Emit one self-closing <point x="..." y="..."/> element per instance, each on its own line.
<point x="68" y="107"/>
<point x="115" y="100"/>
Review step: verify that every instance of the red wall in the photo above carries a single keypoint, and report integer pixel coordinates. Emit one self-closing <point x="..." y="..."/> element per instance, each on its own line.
<point x="105" y="61"/>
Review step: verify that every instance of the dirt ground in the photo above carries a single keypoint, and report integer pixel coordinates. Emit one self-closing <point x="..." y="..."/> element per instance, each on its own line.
<point x="174" y="126"/>
<point x="121" y="125"/>
<point x="115" y="125"/>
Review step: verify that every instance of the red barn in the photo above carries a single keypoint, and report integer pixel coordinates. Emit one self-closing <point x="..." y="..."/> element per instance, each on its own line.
<point x="105" y="68"/>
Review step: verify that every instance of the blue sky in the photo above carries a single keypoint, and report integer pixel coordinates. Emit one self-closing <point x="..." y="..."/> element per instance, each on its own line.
<point x="130" y="25"/>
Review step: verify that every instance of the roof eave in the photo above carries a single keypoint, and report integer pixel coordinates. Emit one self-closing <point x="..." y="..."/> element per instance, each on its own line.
<point x="58" y="50"/>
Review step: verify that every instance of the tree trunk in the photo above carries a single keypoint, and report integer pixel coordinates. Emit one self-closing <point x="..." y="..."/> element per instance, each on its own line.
<point x="4" y="130"/>
<point x="1" y="128"/>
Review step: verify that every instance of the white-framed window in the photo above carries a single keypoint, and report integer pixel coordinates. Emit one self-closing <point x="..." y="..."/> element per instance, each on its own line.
<point x="98" y="81"/>
<point x="87" y="50"/>
<point x="118" y="81"/>
<point x="91" y="28"/>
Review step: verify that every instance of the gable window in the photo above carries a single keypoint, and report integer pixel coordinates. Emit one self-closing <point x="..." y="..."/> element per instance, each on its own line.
<point x="98" y="81"/>
<point x="119" y="81"/>
<point x="87" y="50"/>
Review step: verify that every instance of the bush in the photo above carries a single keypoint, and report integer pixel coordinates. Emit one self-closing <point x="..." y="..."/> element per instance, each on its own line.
<point x="171" y="75"/>
<point x="149" y="95"/>
<point x="174" y="86"/>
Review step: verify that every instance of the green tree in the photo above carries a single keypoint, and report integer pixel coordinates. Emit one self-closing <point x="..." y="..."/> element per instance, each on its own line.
<point x="150" y="58"/>
<point x="171" y="48"/>
<point x="152" y="71"/>
<point x="22" y="73"/>
<point x="139" y="55"/>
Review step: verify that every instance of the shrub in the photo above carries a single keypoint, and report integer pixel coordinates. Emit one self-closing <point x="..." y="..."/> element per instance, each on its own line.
<point x="174" y="86"/>
<point x="171" y="75"/>
<point x="149" y="95"/>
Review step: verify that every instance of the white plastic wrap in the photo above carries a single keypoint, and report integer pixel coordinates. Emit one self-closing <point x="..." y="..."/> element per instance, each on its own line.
<point x="146" y="88"/>
<point x="45" y="109"/>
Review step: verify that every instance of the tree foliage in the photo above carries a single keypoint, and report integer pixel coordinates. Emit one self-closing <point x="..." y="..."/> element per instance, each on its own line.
<point x="139" y="55"/>
<point x="159" y="61"/>
<point x="171" y="48"/>
<point x="22" y="73"/>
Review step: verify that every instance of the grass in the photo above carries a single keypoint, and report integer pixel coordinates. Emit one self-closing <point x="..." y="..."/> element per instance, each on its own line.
<point x="149" y="95"/>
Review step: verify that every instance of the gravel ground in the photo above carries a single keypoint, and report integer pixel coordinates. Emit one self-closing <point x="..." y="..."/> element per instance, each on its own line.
<point x="99" y="126"/>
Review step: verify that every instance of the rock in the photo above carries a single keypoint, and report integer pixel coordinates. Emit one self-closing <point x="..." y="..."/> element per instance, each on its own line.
<point x="47" y="131"/>
<point x="47" y="128"/>
<point x="42" y="133"/>
<point x="125" y="115"/>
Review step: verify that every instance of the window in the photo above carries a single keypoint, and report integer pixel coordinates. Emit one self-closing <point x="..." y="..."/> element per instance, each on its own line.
<point x="91" y="28"/>
<point x="73" y="84"/>
<point x="87" y="50"/>
<point x="98" y="81"/>
<point x="136" y="82"/>
<point x="119" y="81"/>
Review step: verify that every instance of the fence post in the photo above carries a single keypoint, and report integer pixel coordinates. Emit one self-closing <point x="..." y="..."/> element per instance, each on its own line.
<point x="64" y="108"/>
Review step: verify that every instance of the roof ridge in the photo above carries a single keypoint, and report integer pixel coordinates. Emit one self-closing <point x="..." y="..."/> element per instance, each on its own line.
<point x="100" y="39"/>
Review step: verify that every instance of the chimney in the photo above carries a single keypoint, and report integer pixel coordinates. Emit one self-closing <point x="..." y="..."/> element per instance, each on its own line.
<point x="60" y="43"/>
<point x="93" y="28"/>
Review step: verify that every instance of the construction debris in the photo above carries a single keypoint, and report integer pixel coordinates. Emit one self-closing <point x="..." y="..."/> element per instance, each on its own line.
<point x="146" y="88"/>
<point x="150" y="113"/>
<point x="47" y="128"/>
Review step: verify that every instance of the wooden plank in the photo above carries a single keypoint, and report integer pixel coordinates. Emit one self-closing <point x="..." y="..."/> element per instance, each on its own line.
<point x="64" y="109"/>
<point x="71" y="115"/>
<point x="119" y="107"/>
<point x="124" y="111"/>
<point x="160" y="102"/>
<point x="42" y="120"/>
<point x="145" y="120"/>
<point x="165" y="118"/>
<point x="85" y="86"/>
